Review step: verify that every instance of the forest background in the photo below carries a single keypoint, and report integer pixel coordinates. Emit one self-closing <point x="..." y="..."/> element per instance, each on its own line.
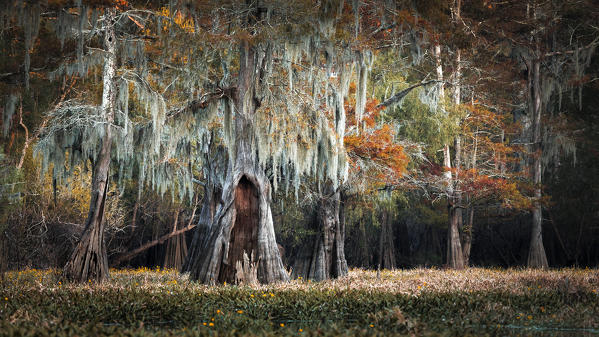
<point x="430" y="133"/>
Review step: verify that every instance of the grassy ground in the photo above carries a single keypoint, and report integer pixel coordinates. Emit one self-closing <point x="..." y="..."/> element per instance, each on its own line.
<point x="411" y="302"/>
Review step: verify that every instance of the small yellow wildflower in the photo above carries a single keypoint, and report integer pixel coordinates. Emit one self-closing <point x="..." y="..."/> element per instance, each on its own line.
<point x="252" y="295"/>
<point x="300" y="330"/>
<point x="59" y="283"/>
<point x="282" y="325"/>
<point x="419" y="287"/>
<point x="372" y="325"/>
<point x="240" y="311"/>
<point x="205" y="323"/>
<point x="212" y="319"/>
<point x="263" y="295"/>
<point x="518" y="317"/>
<point x="218" y="311"/>
<point x="6" y="298"/>
<point x="211" y="324"/>
<point x="272" y="295"/>
<point x="529" y="317"/>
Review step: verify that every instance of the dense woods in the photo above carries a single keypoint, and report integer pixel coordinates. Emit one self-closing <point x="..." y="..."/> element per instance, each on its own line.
<point x="262" y="141"/>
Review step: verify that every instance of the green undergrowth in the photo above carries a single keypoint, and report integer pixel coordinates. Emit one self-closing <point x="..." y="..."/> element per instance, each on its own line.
<point x="164" y="303"/>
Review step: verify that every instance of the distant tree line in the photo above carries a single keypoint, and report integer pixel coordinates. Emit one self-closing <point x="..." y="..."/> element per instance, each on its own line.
<point x="260" y="141"/>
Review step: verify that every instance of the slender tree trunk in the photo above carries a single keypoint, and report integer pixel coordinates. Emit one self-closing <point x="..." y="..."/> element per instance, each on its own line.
<point x="467" y="234"/>
<point x="457" y="94"/>
<point x="89" y="261"/>
<point x="243" y="222"/>
<point x="386" y="244"/>
<point x="176" y="248"/>
<point x="457" y="201"/>
<point x="134" y="216"/>
<point x="454" y="249"/>
<point x="455" y="257"/>
<point x="536" y="254"/>
<point x="439" y="68"/>
<point x="468" y="231"/>
<point x="457" y="215"/>
<point x="325" y="257"/>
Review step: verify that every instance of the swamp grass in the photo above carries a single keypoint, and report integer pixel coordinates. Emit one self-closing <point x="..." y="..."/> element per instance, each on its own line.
<point x="427" y="302"/>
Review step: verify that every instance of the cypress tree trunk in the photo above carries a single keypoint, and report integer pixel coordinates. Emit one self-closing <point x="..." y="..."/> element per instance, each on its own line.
<point x="454" y="248"/>
<point x="536" y="254"/>
<point x="209" y="204"/>
<point x="386" y="244"/>
<point x="455" y="257"/>
<point x="467" y="234"/>
<point x="176" y="248"/>
<point x="89" y="261"/>
<point x="243" y="221"/>
<point x="325" y="257"/>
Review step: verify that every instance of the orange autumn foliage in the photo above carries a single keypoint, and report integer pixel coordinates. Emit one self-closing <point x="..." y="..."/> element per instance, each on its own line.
<point x="486" y="133"/>
<point x="374" y="151"/>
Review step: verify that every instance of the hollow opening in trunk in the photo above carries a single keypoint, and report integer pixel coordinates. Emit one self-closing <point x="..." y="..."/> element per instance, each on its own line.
<point x="244" y="234"/>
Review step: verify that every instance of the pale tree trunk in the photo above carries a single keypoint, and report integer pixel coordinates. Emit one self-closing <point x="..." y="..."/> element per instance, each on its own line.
<point x="324" y="258"/>
<point x="454" y="248"/>
<point x="243" y="221"/>
<point x="386" y="244"/>
<point x="455" y="257"/>
<point x="458" y="212"/>
<point x="468" y="231"/>
<point x="457" y="93"/>
<point x="89" y="261"/>
<point x="439" y="68"/>
<point x="536" y="254"/>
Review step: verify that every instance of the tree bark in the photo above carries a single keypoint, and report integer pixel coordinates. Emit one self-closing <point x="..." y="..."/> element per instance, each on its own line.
<point x="386" y="244"/>
<point x="176" y="248"/>
<point x="325" y="257"/>
<point x="467" y="234"/>
<point x="439" y="68"/>
<point x="455" y="257"/>
<point x="242" y="222"/>
<point x="89" y="261"/>
<point x="536" y="254"/>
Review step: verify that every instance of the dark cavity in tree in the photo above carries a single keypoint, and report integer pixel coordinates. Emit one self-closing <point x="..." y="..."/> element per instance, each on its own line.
<point x="244" y="234"/>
